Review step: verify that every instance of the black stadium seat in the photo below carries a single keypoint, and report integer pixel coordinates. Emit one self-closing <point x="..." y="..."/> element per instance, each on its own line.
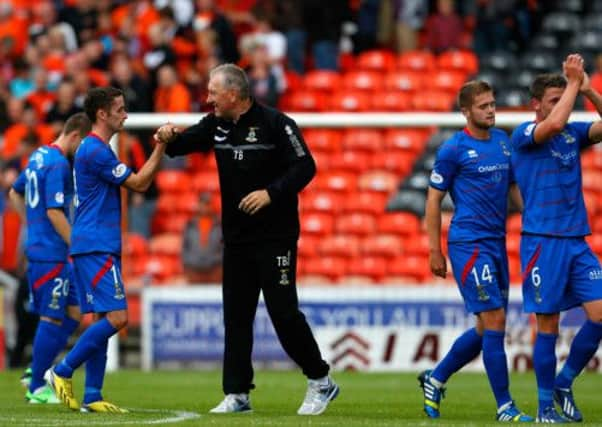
<point x="540" y="62"/>
<point x="593" y="21"/>
<point x="409" y="201"/>
<point x="499" y="61"/>
<point x="561" y="23"/>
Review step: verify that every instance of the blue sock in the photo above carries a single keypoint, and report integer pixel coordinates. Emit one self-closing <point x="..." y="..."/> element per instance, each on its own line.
<point x="584" y="346"/>
<point x="95" y="375"/>
<point x="47" y="344"/>
<point x="544" y="363"/>
<point x="466" y="347"/>
<point x="68" y="326"/>
<point x="91" y="341"/>
<point x="496" y="366"/>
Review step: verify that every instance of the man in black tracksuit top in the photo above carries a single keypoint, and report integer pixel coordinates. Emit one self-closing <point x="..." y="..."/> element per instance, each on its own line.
<point x="263" y="163"/>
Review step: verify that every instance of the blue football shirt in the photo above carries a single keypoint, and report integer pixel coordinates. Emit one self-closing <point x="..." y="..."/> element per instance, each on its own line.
<point x="549" y="178"/>
<point x="477" y="175"/>
<point x="45" y="183"/>
<point x="97" y="177"/>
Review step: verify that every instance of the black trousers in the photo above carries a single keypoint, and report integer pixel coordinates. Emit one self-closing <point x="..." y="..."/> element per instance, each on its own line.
<point x="269" y="268"/>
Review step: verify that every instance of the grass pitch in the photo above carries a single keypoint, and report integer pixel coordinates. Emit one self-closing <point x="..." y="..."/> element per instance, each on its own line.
<point x="184" y="398"/>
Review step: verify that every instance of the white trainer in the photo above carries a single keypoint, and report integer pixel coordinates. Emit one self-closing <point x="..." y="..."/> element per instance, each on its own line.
<point x="233" y="403"/>
<point x="318" y="396"/>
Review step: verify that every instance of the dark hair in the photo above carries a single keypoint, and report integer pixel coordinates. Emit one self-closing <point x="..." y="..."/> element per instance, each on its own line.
<point x="100" y="98"/>
<point x="31" y="138"/>
<point x="470" y="90"/>
<point x="78" y="122"/>
<point x="544" y="81"/>
<point x="234" y="78"/>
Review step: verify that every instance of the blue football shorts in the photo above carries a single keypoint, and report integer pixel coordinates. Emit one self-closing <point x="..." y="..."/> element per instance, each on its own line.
<point x="481" y="272"/>
<point x="99" y="281"/>
<point x="51" y="288"/>
<point x="558" y="273"/>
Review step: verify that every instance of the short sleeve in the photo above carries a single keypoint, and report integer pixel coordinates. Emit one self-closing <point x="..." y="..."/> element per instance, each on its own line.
<point x="581" y="130"/>
<point x="523" y="135"/>
<point x="19" y="184"/>
<point x="445" y="167"/>
<point x="109" y="167"/>
<point x="54" y="191"/>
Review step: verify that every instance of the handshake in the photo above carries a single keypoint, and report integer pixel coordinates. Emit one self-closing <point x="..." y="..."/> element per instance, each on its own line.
<point x="166" y="133"/>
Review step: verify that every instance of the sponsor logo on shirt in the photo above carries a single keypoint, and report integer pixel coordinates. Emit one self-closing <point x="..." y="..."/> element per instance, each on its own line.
<point x="119" y="170"/>
<point x="529" y="129"/>
<point x="59" y="197"/>
<point x="564" y="157"/>
<point x="595" y="274"/>
<point x="568" y="138"/>
<point x="494" y="168"/>
<point x="473" y="154"/>
<point x="294" y="141"/>
<point x="436" y="178"/>
<point x="38" y="159"/>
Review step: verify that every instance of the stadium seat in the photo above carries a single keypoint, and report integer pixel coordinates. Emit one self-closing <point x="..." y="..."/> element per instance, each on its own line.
<point x="417" y="60"/>
<point x="307" y="246"/>
<point x="514" y="99"/>
<point x="135" y="245"/>
<point x="383" y="245"/>
<point x="166" y="203"/>
<point x="416" y="245"/>
<point x="303" y="100"/>
<point x="587" y="41"/>
<point x="327" y="140"/>
<point x="500" y="61"/>
<point x="575" y="6"/>
<point x="514" y="224"/>
<point x="417" y="181"/>
<point x="409" y="201"/>
<point x="322" y="159"/>
<point x="166" y="244"/>
<point x="175" y="223"/>
<point x="544" y="41"/>
<point x="205" y="182"/>
<point x="360" y="224"/>
<point x="375" y="60"/>
<point x="362" y="139"/>
<point x="371" y="266"/>
<point x="321" y="201"/>
<point x="313" y="279"/>
<point x="382" y="181"/>
<point x="187" y="203"/>
<point x="409" y="266"/>
<point x="562" y="24"/>
<point x="539" y="62"/>
<point x="399" y="162"/>
<point x="365" y="202"/>
<point x="591" y="180"/>
<point x="495" y="78"/>
<point x="317" y="224"/>
<point x="433" y="100"/>
<point x="392" y="101"/>
<point x="161" y="267"/>
<point x="405" y="81"/>
<point x="513" y="243"/>
<point x="173" y="181"/>
<point x="293" y="80"/>
<point x="322" y="81"/>
<point x="398" y="223"/>
<point x="593" y="21"/>
<point x="592" y="202"/>
<point x="331" y="267"/>
<point x="363" y="81"/>
<point x="339" y="245"/>
<point x="413" y="140"/>
<point x="350" y="101"/>
<point x="448" y="80"/>
<point x="357" y="280"/>
<point x="520" y="79"/>
<point x="459" y="60"/>
<point x="342" y="182"/>
<point x="350" y="161"/>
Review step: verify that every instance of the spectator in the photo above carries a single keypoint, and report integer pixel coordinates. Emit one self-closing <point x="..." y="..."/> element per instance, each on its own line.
<point x="64" y="106"/>
<point x="81" y="16"/>
<point x="202" y="244"/>
<point x="160" y="53"/>
<point x="41" y="98"/>
<point x="214" y="30"/>
<point x="21" y="84"/>
<point x="135" y="88"/>
<point x="171" y="95"/>
<point x="262" y="77"/>
<point x="409" y="16"/>
<point x="367" y="25"/>
<point x="493" y="23"/>
<point x="25" y="121"/>
<point x="323" y="24"/>
<point x="444" y="28"/>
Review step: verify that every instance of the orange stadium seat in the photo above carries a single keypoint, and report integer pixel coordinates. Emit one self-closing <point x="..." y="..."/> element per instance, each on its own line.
<point x="331" y="267"/>
<point x="383" y="181"/>
<point x="362" y="80"/>
<point x="322" y="159"/>
<point x="385" y="245"/>
<point x="514" y="223"/>
<point x="322" y="81"/>
<point x="166" y="244"/>
<point x="410" y="266"/>
<point x="405" y="139"/>
<point x="416" y="245"/>
<point x="433" y="100"/>
<point x="205" y="182"/>
<point x="307" y="245"/>
<point x="360" y="224"/>
<point x="161" y="267"/>
<point x="340" y="245"/>
<point x="351" y="161"/>
<point x="187" y="203"/>
<point x="375" y="60"/>
<point x="166" y="203"/>
<point x="417" y="60"/>
<point x="350" y="101"/>
<point x="513" y="243"/>
<point x="339" y="181"/>
<point x="135" y="245"/>
<point x="362" y="139"/>
<point x="591" y="180"/>
<point x="173" y="181"/>
<point x="398" y="162"/>
<point x="392" y="101"/>
<point x="460" y="60"/>
<point x="356" y="279"/>
<point x="449" y="81"/>
<point x="406" y="81"/>
<point x="321" y="201"/>
<point x="403" y="223"/>
<point x="313" y="279"/>
<point x="175" y="223"/>
<point x="293" y="80"/>
<point x="372" y="266"/>
<point x="597" y="225"/>
<point x="303" y="100"/>
<point x="318" y="224"/>
<point x="328" y="140"/>
<point x="365" y="202"/>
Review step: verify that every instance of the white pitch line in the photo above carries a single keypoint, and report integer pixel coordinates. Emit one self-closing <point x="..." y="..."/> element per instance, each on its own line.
<point x="176" y="417"/>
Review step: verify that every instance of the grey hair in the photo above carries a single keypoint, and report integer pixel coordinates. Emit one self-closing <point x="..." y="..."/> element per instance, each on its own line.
<point x="234" y="78"/>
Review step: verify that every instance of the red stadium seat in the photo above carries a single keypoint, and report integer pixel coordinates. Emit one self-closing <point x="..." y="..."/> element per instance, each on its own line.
<point x="205" y="182"/>
<point x="293" y="80"/>
<point x="392" y="101"/>
<point x="464" y="61"/>
<point x="360" y="224"/>
<point x="385" y="245"/>
<point x="161" y="267"/>
<point x="375" y="60"/>
<point x="591" y="180"/>
<point x="417" y="60"/>
<point x="173" y="181"/>
<point x="328" y="140"/>
<point x="342" y="182"/>
<point x="322" y="81"/>
<point x="307" y="245"/>
<point x="339" y="245"/>
<point x="175" y="223"/>
<point x="187" y="203"/>
<point x="318" y="224"/>
<point x="351" y="161"/>
<point x="405" y="139"/>
<point x="304" y="100"/>
<point x="372" y="266"/>
<point x="322" y="159"/>
<point x="365" y="202"/>
<point x="433" y="100"/>
<point x="357" y="279"/>
<point x="398" y="162"/>
<point x="401" y="223"/>
<point x="362" y="139"/>
<point x="135" y="245"/>
<point x="362" y="80"/>
<point x="321" y="201"/>
<point x="405" y="81"/>
<point x="514" y="223"/>
<point x="410" y="266"/>
<point x="331" y="267"/>
<point x="449" y="81"/>
<point x="313" y="279"/>
<point x="417" y="245"/>
<point x="166" y="203"/>
<point x="382" y="181"/>
<point x="513" y="243"/>
<point x="350" y="101"/>
<point x="166" y="244"/>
